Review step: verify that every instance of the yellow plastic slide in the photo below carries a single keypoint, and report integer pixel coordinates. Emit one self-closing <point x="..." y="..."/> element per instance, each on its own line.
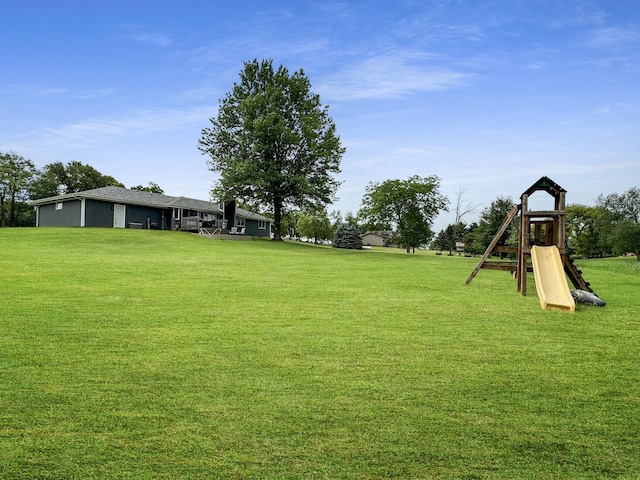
<point x="551" y="282"/>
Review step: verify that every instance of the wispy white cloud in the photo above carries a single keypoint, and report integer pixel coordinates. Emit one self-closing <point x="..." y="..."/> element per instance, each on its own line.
<point x="92" y="94"/>
<point x="137" y="122"/>
<point x="619" y="107"/>
<point x="45" y="91"/>
<point x="141" y="34"/>
<point x="32" y="91"/>
<point x="614" y="37"/>
<point x="390" y="76"/>
<point x="63" y="92"/>
<point x="536" y="65"/>
<point x="588" y="13"/>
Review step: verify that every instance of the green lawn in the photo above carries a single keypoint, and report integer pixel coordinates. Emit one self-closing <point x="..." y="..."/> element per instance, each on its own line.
<point x="128" y="354"/>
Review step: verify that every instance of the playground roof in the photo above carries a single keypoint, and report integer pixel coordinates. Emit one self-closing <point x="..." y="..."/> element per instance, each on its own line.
<point x="546" y="184"/>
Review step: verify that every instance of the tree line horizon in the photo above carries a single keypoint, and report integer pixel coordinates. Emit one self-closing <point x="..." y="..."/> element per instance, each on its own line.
<point x="276" y="150"/>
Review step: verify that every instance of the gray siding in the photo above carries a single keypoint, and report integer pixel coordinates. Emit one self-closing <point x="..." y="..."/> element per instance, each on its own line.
<point x="98" y="214"/>
<point x="142" y="209"/>
<point x="68" y="216"/>
<point x="139" y="214"/>
<point x="251" y="228"/>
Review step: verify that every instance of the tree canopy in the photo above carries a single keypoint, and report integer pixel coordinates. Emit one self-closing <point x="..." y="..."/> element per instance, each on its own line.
<point x="409" y="206"/>
<point x="273" y="143"/>
<point x="16" y="173"/>
<point x="491" y="219"/>
<point x="152" y="187"/>
<point x="315" y="225"/>
<point x="57" y="178"/>
<point x="586" y="231"/>
<point x="624" y="215"/>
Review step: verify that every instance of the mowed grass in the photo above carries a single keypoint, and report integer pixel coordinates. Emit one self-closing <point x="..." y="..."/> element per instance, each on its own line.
<point x="130" y="354"/>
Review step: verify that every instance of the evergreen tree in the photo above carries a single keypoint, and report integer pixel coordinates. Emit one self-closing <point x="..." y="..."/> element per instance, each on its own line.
<point x="347" y="236"/>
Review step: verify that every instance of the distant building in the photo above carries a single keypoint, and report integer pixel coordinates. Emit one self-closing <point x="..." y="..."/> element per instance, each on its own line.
<point x="380" y="238"/>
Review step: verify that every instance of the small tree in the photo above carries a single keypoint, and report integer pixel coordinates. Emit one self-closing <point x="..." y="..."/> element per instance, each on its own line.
<point x="315" y="225"/>
<point x="491" y="219"/>
<point x="347" y="236"/>
<point x="337" y="220"/>
<point x="409" y="205"/>
<point x="273" y="143"/>
<point x="16" y="173"/>
<point x="462" y="209"/>
<point x="472" y="241"/>
<point x="587" y="231"/>
<point x="446" y="239"/>
<point x="626" y="238"/>
<point x="624" y="214"/>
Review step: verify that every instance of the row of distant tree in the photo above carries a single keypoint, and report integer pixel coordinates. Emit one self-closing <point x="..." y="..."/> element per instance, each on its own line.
<point x="610" y="227"/>
<point x="274" y="144"/>
<point x="407" y="208"/>
<point x="276" y="150"/>
<point x="21" y="181"/>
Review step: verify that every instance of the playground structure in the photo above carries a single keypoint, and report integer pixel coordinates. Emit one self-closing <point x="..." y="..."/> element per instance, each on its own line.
<point x="541" y="250"/>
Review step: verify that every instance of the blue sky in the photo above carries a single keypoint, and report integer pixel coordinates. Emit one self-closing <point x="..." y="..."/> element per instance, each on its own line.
<point x="487" y="95"/>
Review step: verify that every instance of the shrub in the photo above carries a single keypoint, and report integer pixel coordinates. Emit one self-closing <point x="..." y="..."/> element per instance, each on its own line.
<point x="347" y="236"/>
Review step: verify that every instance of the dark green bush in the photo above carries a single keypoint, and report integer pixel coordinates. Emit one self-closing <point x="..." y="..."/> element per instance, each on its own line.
<point x="347" y="236"/>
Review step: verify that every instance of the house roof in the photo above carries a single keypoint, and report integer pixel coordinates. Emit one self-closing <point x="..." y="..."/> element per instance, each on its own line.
<point x="250" y="215"/>
<point x="147" y="199"/>
<point x="113" y="194"/>
<point x="385" y="234"/>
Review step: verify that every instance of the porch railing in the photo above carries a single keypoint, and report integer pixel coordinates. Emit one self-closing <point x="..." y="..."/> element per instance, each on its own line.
<point x="191" y="223"/>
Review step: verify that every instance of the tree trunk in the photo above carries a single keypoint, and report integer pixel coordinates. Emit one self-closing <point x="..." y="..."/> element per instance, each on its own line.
<point x="2" y="212"/>
<point x="277" y="220"/>
<point x="12" y="210"/>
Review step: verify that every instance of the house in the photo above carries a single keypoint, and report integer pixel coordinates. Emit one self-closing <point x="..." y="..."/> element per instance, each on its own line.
<point x="380" y="238"/>
<point x="117" y="207"/>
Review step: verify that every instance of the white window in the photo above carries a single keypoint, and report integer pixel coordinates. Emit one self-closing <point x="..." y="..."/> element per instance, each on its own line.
<point x="239" y="221"/>
<point x="59" y="205"/>
<point x="262" y="225"/>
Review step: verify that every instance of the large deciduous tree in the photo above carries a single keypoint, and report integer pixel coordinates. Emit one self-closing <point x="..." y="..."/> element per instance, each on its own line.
<point x="16" y="173"/>
<point x="624" y="213"/>
<point x="587" y="231"/>
<point x="273" y="143"/>
<point x="408" y="206"/>
<point x="57" y="178"/>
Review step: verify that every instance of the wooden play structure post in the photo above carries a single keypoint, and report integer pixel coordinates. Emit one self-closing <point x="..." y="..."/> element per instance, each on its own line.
<point x="542" y="228"/>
